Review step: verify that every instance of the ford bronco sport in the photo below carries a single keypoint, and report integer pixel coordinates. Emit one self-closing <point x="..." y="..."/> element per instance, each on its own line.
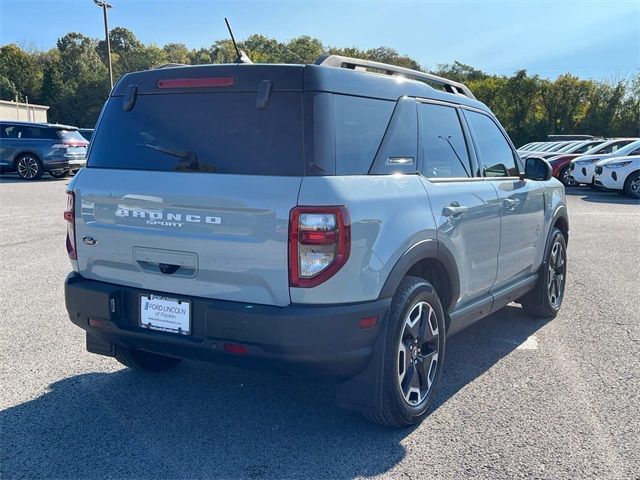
<point x="336" y="221"/>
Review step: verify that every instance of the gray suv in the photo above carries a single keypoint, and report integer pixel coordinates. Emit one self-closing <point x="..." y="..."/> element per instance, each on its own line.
<point x="337" y="221"/>
<point x="31" y="149"/>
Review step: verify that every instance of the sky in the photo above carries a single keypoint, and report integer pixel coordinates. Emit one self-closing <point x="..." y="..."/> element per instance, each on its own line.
<point x="590" y="39"/>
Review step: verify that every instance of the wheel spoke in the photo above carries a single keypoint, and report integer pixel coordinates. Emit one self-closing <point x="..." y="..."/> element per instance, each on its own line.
<point x="426" y="366"/>
<point x="414" y="318"/>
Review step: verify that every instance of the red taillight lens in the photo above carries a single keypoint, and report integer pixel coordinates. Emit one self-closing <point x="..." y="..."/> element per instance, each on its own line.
<point x="70" y="217"/>
<point x="196" y="82"/>
<point x="235" y="349"/>
<point x="319" y="244"/>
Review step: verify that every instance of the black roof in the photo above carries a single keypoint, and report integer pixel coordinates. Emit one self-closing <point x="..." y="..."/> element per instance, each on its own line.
<point x="287" y="77"/>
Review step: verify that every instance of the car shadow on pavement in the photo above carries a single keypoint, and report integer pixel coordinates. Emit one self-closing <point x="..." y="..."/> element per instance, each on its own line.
<point x="14" y="178"/>
<point x="201" y="420"/>
<point x="599" y="196"/>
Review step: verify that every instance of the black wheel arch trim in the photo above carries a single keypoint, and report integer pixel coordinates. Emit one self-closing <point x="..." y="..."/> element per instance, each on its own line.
<point x="423" y="250"/>
<point x="560" y="213"/>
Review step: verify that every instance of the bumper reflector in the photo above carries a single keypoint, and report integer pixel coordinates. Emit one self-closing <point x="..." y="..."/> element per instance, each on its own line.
<point x="235" y="349"/>
<point x="368" y="322"/>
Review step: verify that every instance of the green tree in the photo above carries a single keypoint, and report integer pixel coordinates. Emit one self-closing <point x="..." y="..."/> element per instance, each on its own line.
<point x="21" y="70"/>
<point x="177" y="53"/>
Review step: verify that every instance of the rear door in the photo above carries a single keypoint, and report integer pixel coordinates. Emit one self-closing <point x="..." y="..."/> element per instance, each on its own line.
<point x="522" y="203"/>
<point x="9" y="143"/>
<point x="190" y="192"/>
<point x="465" y="207"/>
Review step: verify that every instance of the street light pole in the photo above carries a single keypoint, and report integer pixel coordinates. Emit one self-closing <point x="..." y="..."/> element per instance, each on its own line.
<point x="105" y="6"/>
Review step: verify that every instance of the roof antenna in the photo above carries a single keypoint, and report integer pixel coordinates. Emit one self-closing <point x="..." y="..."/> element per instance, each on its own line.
<point x="242" y="57"/>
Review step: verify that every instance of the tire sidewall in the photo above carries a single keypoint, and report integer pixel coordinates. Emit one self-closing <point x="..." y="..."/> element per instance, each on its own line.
<point x="556" y="236"/>
<point x="418" y="290"/>
<point x="627" y="185"/>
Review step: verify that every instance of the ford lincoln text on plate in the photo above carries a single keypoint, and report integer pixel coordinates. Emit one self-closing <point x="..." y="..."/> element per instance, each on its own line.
<point x="336" y="221"/>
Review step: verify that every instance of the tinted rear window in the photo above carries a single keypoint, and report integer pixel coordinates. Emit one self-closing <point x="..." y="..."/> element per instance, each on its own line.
<point x="205" y="132"/>
<point x="71" y="135"/>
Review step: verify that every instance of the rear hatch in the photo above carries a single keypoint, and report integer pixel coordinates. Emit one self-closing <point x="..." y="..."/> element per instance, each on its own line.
<point x="192" y="173"/>
<point x="74" y="144"/>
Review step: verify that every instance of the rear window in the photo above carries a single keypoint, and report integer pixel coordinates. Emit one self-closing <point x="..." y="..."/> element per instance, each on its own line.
<point x="202" y="132"/>
<point x="71" y="136"/>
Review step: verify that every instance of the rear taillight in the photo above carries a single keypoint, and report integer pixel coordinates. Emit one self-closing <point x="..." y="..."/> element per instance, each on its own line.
<point x="319" y="244"/>
<point x="70" y="217"/>
<point x="64" y="146"/>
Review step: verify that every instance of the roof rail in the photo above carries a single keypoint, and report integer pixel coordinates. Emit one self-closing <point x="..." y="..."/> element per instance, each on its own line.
<point x="339" y="61"/>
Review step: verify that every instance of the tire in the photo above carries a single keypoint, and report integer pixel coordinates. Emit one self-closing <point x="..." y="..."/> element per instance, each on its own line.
<point x="410" y="379"/>
<point x="563" y="176"/>
<point x="59" y="173"/>
<point x="545" y="300"/>
<point x="146" y="361"/>
<point x="632" y="185"/>
<point x="29" y="167"/>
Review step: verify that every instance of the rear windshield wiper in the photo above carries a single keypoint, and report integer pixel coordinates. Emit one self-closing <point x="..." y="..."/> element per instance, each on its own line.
<point x="190" y="159"/>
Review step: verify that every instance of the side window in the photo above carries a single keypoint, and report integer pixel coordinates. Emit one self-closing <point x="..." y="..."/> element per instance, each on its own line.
<point x="32" y="132"/>
<point x="611" y="148"/>
<point x="494" y="150"/>
<point x="360" y="124"/>
<point x="8" y="131"/>
<point x="444" y="148"/>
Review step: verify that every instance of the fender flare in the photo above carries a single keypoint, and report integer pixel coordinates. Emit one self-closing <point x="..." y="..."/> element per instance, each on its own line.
<point x="425" y="249"/>
<point x="561" y="212"/>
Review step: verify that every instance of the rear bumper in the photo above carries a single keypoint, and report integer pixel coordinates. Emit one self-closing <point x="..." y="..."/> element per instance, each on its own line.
<point x="322" y="343"/>
<point x="65" y="163"/>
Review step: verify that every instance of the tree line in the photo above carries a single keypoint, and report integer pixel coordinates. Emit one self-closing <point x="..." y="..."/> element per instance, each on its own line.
<point x="72" y="79"/>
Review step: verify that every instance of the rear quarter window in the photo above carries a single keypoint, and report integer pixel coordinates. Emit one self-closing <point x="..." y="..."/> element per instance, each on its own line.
<point x="360" y="124"/>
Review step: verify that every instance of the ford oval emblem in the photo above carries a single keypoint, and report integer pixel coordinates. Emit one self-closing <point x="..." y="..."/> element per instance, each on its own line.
<point x="89" y="241"/>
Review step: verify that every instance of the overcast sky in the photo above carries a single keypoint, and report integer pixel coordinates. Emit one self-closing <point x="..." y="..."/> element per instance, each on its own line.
<point x="591" y="39"/>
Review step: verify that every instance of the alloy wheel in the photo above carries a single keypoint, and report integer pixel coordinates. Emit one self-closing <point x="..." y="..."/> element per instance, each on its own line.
<point x="417" y="360"/>
<point x="555" y="287"/>
<point x="566" y="178"/>
<point x="28" y="167"/>
<point x="635" y="186"/>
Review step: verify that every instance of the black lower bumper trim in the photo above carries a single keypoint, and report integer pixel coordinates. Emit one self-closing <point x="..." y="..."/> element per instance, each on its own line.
<point x="321" y="342"/>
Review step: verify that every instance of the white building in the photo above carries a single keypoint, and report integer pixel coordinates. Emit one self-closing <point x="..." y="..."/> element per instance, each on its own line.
<point x="23" y="112"/>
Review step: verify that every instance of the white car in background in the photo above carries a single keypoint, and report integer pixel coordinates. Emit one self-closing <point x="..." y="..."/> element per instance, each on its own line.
<point x="582" y="169"/>
<point x="620" y="173"/>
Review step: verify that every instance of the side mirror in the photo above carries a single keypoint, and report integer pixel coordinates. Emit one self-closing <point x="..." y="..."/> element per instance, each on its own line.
<point x="537" y="168"/>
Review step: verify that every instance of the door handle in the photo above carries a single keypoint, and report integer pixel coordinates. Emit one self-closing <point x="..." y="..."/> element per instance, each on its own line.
<point x="510" y="203"/>
<point x="454" y="210"/>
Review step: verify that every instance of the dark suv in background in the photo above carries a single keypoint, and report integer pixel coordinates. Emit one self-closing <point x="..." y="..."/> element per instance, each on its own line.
<point x="30" y="149"/>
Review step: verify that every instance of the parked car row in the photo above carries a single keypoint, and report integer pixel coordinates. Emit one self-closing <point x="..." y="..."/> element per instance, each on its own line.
<point x="601" y="163"/>
<point x="32" y="149"/>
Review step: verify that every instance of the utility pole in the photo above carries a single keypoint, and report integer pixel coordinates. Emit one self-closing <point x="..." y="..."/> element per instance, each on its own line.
<point x="104" y="5"/>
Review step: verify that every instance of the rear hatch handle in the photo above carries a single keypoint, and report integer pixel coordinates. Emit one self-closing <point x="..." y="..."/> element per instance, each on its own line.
<point x="166" y="262"/>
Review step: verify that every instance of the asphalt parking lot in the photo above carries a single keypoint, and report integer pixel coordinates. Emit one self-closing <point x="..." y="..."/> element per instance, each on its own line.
<point x="520" y="398"/>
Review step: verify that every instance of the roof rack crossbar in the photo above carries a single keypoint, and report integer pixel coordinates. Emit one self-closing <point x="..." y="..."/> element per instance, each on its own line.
<point x="339" y="61"/>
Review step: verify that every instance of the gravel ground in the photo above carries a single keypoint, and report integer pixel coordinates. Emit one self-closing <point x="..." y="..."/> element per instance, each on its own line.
<point x="520" y="398"/>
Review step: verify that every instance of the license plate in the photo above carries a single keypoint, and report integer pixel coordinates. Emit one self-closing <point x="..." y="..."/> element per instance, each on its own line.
<point x="165" y="314"/>
<point x="77" y="162"/>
